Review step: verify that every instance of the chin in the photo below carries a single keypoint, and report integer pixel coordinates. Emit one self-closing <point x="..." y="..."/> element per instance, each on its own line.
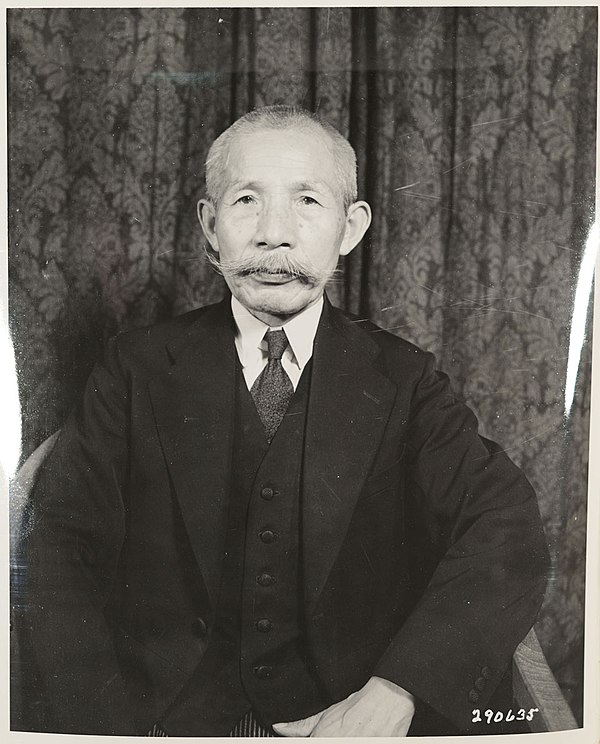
<point x="278" y="303"/>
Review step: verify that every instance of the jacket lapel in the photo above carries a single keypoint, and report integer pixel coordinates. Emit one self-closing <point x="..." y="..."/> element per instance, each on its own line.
<point x="193" y="406"/>
<point x="350" y="403"/>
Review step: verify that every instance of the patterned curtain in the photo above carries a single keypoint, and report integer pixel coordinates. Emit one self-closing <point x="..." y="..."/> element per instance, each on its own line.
<point x="475" y="130"/>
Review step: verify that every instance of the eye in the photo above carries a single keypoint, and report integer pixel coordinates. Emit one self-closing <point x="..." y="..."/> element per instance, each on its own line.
<point x="308" y="200"/>
<point x="245" y="199"/>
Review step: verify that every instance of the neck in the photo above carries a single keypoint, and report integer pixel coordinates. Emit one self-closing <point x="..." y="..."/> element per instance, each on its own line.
<point x="273" y="320"/>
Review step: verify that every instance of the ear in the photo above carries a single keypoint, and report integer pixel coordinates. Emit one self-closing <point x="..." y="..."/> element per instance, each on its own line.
<point x="358" y="219"/>
<point x="207" y="216"/>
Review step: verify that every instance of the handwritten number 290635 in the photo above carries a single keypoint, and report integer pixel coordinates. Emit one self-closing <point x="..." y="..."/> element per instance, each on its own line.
<point x="498" y="716"/>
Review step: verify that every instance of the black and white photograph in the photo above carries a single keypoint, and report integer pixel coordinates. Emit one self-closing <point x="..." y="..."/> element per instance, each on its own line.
<point x="300" y="315"/>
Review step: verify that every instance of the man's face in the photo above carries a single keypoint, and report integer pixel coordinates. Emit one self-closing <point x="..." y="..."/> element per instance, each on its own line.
<point x="280" y="224"/>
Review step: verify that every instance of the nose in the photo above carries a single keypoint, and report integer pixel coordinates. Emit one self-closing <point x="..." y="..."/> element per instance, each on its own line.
<point x="276" y="226"/>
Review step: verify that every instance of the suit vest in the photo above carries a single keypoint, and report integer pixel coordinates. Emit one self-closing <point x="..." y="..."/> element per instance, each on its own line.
<point x="256" y="656"/>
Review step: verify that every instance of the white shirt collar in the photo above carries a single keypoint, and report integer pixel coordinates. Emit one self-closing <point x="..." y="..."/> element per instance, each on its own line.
<point x="300" y="331"/>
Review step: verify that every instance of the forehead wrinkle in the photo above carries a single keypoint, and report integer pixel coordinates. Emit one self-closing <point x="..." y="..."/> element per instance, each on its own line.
<point x="304" y="185"/>
<point x="238" y="158"/>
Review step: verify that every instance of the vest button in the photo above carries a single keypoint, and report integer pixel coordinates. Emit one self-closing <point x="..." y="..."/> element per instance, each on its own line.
<point x="264" y="625"/>
<point x="199" y="627"/>
<point x="263" y="671"/>
<point x="267" y="536"/>
<point x="265" y="579"/>
<point x="267" y="494"/>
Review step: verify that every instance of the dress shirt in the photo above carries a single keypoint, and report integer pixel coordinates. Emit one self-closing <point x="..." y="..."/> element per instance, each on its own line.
<point x="251" y="345"/>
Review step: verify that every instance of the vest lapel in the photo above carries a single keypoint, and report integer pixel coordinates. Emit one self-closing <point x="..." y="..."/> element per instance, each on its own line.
<point x="193" y="406"/>
<point x="350" y="403"/>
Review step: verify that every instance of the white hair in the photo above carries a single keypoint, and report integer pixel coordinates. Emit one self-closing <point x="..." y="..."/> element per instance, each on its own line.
<point x="282" y="117"/>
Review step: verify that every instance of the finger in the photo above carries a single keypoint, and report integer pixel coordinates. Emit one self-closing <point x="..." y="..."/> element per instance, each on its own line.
<point x="303" y="727"/>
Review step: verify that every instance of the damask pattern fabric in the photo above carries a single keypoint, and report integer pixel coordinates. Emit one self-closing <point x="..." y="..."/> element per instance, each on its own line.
<point x="475" y="133"/>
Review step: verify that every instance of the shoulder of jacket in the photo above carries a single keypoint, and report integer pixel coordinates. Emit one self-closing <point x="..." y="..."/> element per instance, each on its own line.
<point x="398" y="353"/>
<point x="151" y="340"/>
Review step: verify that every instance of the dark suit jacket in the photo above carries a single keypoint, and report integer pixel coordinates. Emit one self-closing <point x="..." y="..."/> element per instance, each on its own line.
<point x="423" y="556"/>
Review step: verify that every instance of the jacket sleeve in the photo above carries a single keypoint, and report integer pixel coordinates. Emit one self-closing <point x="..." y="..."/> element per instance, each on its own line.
<point x="487" y="588"/>
<point x="71" y="540"/>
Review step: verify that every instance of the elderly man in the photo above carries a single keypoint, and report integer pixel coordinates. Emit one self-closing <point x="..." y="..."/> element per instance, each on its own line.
<point x="266" y="517"/>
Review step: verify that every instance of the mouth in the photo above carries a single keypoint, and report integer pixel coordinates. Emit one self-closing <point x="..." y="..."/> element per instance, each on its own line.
<point x="273" y="277"/>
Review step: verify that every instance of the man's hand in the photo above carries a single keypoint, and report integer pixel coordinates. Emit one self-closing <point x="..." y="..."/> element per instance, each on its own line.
<point x="380" y="708"/>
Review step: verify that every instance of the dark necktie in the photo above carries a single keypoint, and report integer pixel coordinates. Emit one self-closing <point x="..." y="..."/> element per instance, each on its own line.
<point x="273" y="389"/>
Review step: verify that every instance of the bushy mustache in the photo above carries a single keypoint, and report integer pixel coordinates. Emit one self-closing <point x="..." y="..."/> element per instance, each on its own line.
<point x="272" y="262"/>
